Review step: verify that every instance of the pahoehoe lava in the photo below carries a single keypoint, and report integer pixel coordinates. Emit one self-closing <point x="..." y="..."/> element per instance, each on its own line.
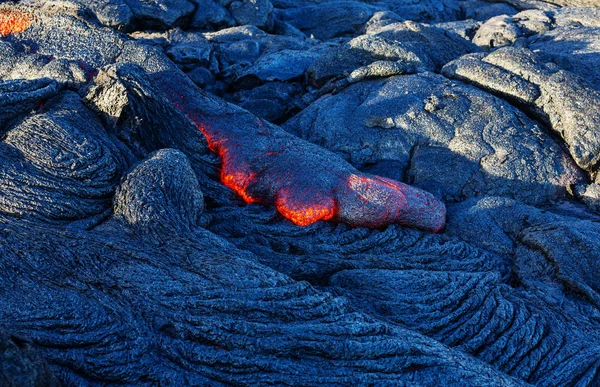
<point x="310" y="192"/>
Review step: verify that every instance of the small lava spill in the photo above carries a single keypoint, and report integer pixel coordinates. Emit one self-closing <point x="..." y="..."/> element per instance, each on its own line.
<point x="359" y="200"/>
<point x="13" y="22"/>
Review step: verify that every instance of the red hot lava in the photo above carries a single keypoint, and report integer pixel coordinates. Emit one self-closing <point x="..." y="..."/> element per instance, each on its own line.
<point x="263" y="164"/>
<point x="13" y="22"/>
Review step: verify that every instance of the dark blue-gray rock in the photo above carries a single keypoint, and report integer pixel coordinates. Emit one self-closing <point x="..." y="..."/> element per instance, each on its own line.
<point x="63" y="145"/>
<point x="19" y="97"/>
<point x="273" y="101"/>
<point x="574" y="49"/>
<point x="409" y="46"/>
<point x="252" y="12"/>
<point x="421" y="11"/>
<point x="466" y="29"/>
<point x="139" y="14"/>
<point x="125" y="261"/>
<point x="330" y="19"/>
<point x="161" y="195"/>
<point x="554" y="95"/>
<point x="482" y="10"/>
<point x="211" y="14"/>
<point x="21" y="365"/>
<point x="444" y="136"/>
<point x="284" y="65"/>
<point x="506" y="30"/>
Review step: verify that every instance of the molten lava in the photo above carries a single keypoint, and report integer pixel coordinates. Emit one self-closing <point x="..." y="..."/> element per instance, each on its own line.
<point x="13" y="22"/>
<point x="306" y="183"/>
<point x="304" y="214"/>
<point x="375" y="201"/>
<point x="232" y="175"/>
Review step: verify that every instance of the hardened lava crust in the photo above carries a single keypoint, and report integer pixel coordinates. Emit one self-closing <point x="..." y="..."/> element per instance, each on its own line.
<point x="306" y="193"/>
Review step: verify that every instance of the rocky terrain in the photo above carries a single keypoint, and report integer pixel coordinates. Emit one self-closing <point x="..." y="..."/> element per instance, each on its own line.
<point x="307" y="193"/>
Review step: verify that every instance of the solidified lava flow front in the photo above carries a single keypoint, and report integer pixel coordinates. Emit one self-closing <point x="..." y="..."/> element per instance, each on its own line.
<point x="13" y="22"/>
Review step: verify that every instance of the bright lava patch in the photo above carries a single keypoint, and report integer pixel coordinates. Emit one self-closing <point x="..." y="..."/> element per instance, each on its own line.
<point x="13" y="22"/>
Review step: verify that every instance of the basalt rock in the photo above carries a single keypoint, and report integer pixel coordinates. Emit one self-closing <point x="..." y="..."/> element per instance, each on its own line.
<point x="447" y="137"/>
<point x="409" y="47"/>
<point x="152" y="233"/>
<point x="554" y="95"/>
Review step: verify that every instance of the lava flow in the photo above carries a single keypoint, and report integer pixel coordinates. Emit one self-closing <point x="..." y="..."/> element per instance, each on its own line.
<point x="232" y="175"/>
<point x="375" y="201"/>
<point x="13" y="22"/>
<point x="306" y="183"/>
<point x="304" y="213"/>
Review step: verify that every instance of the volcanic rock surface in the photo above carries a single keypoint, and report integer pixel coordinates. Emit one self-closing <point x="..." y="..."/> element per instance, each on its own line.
<point x="311" y="192"/>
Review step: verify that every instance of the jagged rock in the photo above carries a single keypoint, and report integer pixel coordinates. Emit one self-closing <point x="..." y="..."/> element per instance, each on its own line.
<point x="548" y="245"/>
<point x="425" y="38"/>
<point x="590" y="195"/>
<point x="505" y="30"/>
<point x="130" y="15"/>
<point x="202" y="310"/>
<point x="211" y="14"/>
<point x="20" y="97"/>
<point x="273" y="101"/>
<point x="21" y="366"/>
<point x="476" y="313"/>
<point x="252" y="12"/>
<point x="446" y="137"/>
<point x="482" y="10"/>
<point x="422" y="11"/>
<point x="161" y="195"/>
<point x="574" y="49"/>
<point x="59" y="164"/>
<point x="202" y="77"/>
<point x="284" y="65"/>
<point x="330" y="19"/>
<point x="466" y="29"/>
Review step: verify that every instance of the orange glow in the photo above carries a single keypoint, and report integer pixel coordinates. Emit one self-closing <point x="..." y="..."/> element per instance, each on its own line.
<point x="239" y="181"/>
<point x="13" y="22"/>
<point x="303" y="215"/>
<point x="231" y="176"/>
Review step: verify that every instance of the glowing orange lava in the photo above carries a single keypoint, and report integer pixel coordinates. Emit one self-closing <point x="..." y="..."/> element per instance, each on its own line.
<point x="231" y="175"/>
<point x="303" y="215"/>
<point x="13" y="22"/>
<point x="239" y="181"/>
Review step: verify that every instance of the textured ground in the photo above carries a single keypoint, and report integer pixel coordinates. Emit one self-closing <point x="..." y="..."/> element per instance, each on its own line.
<point x="306" y="192"/>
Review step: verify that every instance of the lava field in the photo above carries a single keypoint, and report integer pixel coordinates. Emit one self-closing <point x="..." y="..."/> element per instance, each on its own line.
<point x="299" y="193"/>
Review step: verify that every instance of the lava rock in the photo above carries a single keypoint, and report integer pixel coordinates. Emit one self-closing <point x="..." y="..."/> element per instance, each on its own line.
<point x="554" y="95"/>
<point x="150" y="231"/>
<point x="388" y="126"/>
<point x="330" y="19"/>
<point x="409" y="46"/>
